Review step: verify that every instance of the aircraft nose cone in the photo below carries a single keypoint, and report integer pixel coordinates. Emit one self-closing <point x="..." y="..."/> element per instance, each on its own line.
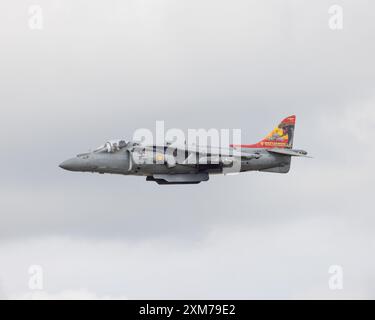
<point x="70" y="164"/>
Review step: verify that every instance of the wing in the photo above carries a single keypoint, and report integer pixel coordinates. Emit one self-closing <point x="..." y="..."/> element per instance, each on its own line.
<point x="192" y="155"/>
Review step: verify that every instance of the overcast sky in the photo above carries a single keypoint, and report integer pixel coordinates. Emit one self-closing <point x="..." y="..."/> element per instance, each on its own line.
<point x="101" y="69"/>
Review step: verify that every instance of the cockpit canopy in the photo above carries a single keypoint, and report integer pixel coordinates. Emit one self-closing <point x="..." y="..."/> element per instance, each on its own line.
<point x="112" y="146"/>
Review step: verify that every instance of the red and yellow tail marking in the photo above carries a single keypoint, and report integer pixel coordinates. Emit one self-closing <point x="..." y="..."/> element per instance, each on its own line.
<point x="277" y="138"/>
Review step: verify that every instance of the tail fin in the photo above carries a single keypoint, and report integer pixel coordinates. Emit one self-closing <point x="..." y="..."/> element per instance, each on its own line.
<point x="279" y="137"/>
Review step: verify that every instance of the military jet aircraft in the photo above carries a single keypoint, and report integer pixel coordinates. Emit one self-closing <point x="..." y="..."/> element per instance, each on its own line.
<point x="188" y="164"/>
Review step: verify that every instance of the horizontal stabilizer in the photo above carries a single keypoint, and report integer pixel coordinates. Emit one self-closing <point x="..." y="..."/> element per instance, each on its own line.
<point x="289" y="152"/>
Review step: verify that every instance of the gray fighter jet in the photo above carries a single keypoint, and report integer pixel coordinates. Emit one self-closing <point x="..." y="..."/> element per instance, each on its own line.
<point x="187" y="164"/>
